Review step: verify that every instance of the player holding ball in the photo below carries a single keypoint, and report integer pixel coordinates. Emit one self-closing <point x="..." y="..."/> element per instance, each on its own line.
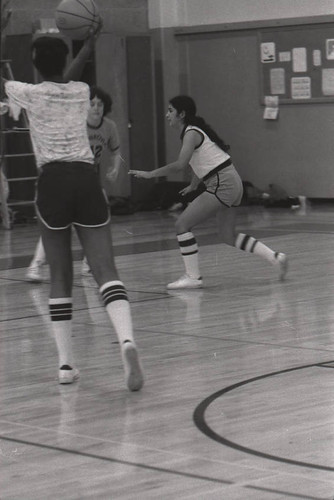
<point x="69" y="193"/>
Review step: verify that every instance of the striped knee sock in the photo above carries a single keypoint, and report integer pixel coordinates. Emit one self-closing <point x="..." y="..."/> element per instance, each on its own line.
<point x="117" y="305"/>
<point x="251" y="245"/>
<point x="189" y="252"/>
<point x="61" y="319"/>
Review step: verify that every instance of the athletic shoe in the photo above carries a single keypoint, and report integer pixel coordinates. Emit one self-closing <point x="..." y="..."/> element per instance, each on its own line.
<point x="67" y="375"/>
<point x="85" y="269"/>
<point x="282" y="263"/>
<point x="176" y="207"/>
<point x="34" y="273"/>
<point x="185" y="282"/>
<point x="133" y="372"/>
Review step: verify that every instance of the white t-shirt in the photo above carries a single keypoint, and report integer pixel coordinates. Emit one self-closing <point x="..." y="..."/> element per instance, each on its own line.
<point x="57" y="114"/>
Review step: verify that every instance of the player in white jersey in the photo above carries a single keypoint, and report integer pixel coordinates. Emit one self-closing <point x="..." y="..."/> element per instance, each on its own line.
<point x="104" y="142"/>
<point x="69" y="194"/>
<point x="208" y="157"/>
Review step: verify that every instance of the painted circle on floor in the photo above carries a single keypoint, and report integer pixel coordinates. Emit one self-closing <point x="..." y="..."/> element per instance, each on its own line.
<point x="201" y="424"/>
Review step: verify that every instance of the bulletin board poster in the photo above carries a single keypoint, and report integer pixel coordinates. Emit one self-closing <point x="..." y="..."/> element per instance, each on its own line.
<point x="297" y="63"/>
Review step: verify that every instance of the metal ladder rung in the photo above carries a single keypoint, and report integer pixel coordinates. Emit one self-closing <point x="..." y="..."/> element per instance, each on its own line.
<point x="4" y="206"/>
<point x="17" y="203"/>
<point x="19" y="179"/>
<point x="16" y="130"/>
<point x="18" y="155"/>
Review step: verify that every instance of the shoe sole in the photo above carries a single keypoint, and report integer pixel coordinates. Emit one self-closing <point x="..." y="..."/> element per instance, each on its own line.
<point x="134" y="377"/>
<point x="184" y="287"/>
<point x="63" y="380"/>
<point x="31" y="279"/>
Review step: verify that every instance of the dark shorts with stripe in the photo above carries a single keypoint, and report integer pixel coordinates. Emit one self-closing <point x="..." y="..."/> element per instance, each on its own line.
<point x="70" y="193"/>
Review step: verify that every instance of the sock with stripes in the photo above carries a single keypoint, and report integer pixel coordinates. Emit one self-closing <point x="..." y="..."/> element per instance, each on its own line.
<point x="61" y="320"/>
<point x="117" y="305"/>
<point x="189" y="252"/>
<point x="251" y="245"/>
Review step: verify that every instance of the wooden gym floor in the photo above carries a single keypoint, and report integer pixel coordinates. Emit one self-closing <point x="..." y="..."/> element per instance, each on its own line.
<point x="238" y="401"/>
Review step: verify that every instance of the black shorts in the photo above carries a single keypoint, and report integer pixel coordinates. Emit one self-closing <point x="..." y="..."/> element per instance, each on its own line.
<point x="71" y="193"/>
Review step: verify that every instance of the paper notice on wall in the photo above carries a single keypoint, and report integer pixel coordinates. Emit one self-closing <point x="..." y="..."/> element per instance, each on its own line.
<point x="271" y="109"/>
<point x="299" y="60"/>
<point x="330" y="49"/>
<point x="327" y="81"/>
<point x="268" y="52"/>
<point x="301" y="87"/>
<point x="316" y="58"/>
<point x="277" y="81"/>
<point x="284" y="56"/>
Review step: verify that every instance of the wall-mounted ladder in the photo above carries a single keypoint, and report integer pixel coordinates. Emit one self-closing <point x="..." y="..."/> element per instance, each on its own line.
<point x="7" y="180"/>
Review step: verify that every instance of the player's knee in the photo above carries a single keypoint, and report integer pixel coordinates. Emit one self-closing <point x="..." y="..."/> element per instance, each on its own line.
<point x="181" y="227"/>
<point x="228" y="238"/>
<point x="104" y="271"/>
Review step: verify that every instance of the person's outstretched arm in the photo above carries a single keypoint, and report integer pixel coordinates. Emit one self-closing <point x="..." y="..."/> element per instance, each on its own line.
<point x="75" y="69"/>
<point x="190" y="141"/>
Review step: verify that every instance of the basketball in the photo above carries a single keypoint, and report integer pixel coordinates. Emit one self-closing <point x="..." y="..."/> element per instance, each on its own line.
<point x="75" y="18"/>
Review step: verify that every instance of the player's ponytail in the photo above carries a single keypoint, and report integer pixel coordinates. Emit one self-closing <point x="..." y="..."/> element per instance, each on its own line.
<point x="187" y="105"/>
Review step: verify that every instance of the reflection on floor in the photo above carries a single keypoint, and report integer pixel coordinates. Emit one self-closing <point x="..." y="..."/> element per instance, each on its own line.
<point x="238" y="401"/>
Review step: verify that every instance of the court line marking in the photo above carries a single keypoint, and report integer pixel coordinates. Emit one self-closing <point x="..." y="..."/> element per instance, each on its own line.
<point x="116" y="460"/>
<point x="286" y="493"/>
<point x="149" y="296"/>
<point x="97" y="439"/>
<point x="168" y="243"/>
<point x="202" y="426"/>
<point x="157" y="331"/>
<point x="156" y="468"/>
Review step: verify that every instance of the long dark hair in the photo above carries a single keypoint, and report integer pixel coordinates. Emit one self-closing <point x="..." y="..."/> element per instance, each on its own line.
<point x="187" y="104"/>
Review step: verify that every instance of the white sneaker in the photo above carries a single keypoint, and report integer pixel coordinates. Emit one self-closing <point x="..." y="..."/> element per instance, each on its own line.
<point x="85" y="269"/>
<point x="175" y="207"/>
<point x="282" y="263"/>
<point x="133" y="372"/>
<point x="34" y="273"/>
<point x="185" y="282"/>
<point x="67" y="375"/>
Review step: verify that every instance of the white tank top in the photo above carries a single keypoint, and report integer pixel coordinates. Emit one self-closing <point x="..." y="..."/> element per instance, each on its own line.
<point x="207" y="156"/>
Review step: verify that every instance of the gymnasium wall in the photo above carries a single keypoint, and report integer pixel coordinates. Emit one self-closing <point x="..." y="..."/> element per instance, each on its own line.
<point x="119" y="16"/>
<point x="218" y="64"/>
<point x="176" y="13"/>
<point x="210" y="50"/>
<point x="122" y="19"/>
